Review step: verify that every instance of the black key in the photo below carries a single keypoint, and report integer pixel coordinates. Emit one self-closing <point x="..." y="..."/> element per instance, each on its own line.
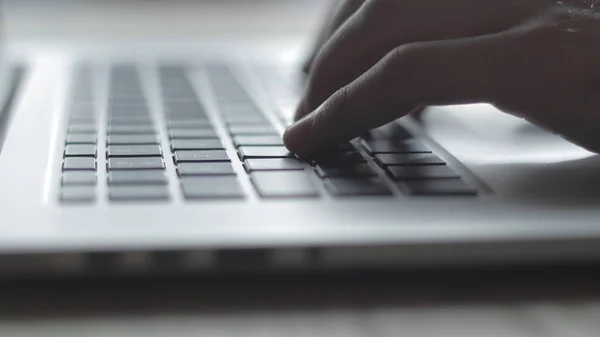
<point x="397" y="132"/>
<point x="74" y="138"/>
<point x="246" y="152"/>
<point x="189" y="124"/>
<point x="437" y="187"/>
<point x="211" y="188"/>
<point x="353" y="170"/>
<point x="344" y="147"/>
<point x="273" y="164"/>
<point x="201" y="156"/>
<point x="79" y="163"/>
<point x="393" y="132"/>
<point x="257" y="141"/>
<point x="135" y="163"/>
<point x="421" y="172"/>
<point x="80" y="150"/>
<point x="283" y="184"/>
<point x="82" y="129"/>
<point x="252" y="130"/>
<point x="196" y="144"/>
<point x="409" y="159"/>
<point x="343" y="187"/>
<point x="208" y="169"/>
<point x="130" y="129"/>
<point x="134" y="151"/>
<point x="141" y="177"/>
<point x="340" y="158"/>
<point x="78" y="178"/>
<point x="77" y="194"/>
<point x="132" y="139"/>
<point x="385" y="146"/>
<point x="132" y="193"/>
<point x="192" y="133"/>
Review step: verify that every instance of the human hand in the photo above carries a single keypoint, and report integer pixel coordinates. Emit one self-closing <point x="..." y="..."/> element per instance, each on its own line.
<point x="537" y="59"/>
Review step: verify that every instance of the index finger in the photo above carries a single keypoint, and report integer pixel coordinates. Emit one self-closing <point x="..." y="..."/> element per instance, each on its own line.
<point x="469" y="70"/>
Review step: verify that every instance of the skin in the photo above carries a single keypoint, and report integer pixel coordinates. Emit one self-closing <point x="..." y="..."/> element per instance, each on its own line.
<point x="379" y="60"/>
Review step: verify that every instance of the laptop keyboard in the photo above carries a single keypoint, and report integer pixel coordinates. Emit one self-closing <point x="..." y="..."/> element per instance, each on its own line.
<point x="136" y="165"/>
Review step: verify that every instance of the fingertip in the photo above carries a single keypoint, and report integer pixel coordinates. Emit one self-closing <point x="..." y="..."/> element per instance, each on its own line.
<point x="297" y="137"/>
<point x="289" y="139"/>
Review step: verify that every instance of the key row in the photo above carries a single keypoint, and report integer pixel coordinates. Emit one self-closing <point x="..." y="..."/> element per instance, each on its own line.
<point x="345" y="173"/>
<point x="87" y="194"/>
<point x="151" y="177"/>
<point x="176" y="143"/>
<point x="413" y="165"/>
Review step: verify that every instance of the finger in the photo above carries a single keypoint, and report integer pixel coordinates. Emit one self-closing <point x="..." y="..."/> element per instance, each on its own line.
<point x="380" y="26"/>
<point x="468" y="70"/>
<point x="337" y="15"/>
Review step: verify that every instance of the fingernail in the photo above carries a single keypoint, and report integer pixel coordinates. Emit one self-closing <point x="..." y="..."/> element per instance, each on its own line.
<point x="297" y="136"/>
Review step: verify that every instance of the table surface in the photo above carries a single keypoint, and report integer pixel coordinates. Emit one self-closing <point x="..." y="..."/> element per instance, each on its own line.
<point x="550" y="302"/>
<point x="528" y="303"/>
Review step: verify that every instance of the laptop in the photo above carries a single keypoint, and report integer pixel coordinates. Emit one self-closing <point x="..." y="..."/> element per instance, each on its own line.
<point x="132" y="157"/>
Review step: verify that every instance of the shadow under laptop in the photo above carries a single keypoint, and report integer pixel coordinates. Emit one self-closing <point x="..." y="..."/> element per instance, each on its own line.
<point x="48" y="300"/>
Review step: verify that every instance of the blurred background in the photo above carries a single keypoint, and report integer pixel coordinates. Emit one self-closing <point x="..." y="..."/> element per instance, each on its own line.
<point x="75" y="20"/>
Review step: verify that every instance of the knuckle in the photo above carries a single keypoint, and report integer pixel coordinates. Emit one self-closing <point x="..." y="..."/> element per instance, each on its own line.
<point x="403" y="61"/>
<point x="405" y="54"/>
